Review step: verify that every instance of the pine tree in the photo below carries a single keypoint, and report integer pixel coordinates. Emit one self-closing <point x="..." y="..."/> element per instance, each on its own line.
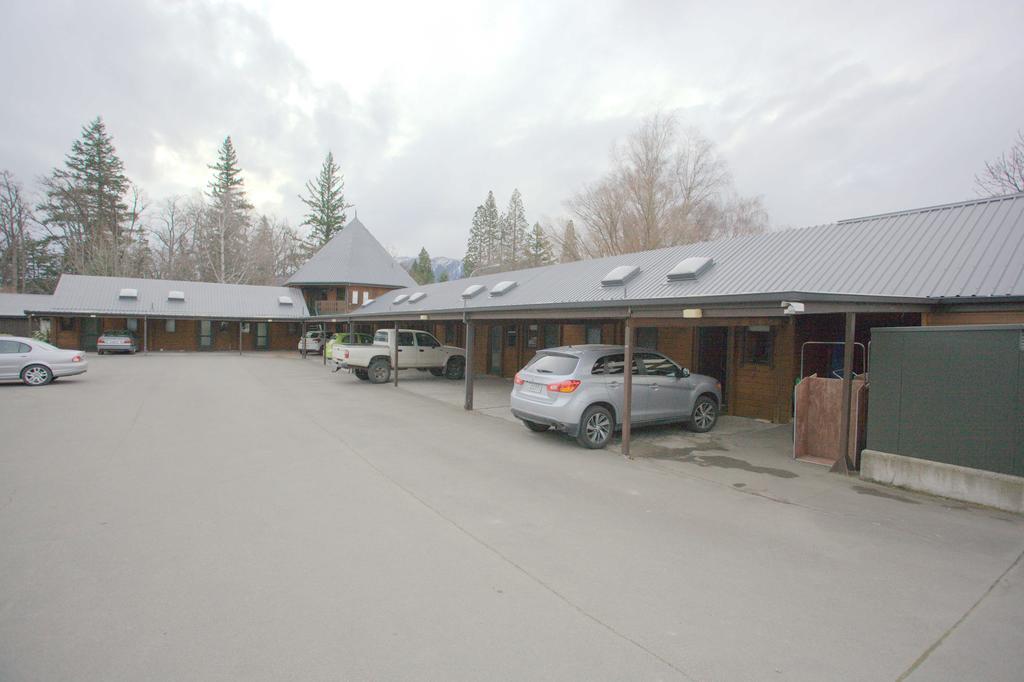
<point x="514" y="227"/>
<point x="443" y="277"/>
<point x="475" y="245"/>
<point x="326" y="203"/>
<point x="538" y="250"/>
<point x="422" y="269"/>
<point x="492" y="238"/>
<point x="86" y="208"/>
<point x="570" y="244"/>
<point x="224" y="232"/>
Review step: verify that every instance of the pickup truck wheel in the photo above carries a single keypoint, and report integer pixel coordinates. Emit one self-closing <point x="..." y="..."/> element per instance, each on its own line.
<point x="536" y="427"/>
<point x="437" y="371"/>
<point x="362" y="375"/>
<point x="596" y="427"/>
<point x="379" y="371"/>
<point x="456" y="368"/>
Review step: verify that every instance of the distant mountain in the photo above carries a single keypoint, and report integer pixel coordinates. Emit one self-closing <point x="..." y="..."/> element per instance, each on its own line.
<point x="453" y="266"/>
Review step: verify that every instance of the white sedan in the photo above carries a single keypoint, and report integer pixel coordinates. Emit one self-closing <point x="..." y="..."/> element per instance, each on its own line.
<point x="37" y="363"/>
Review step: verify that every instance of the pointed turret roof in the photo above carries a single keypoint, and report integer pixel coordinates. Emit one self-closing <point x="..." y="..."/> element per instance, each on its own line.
<point x="353" y="256"/>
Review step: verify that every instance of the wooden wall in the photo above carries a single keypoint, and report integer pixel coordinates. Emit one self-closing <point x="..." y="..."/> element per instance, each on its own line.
<point x="993" y="317"/>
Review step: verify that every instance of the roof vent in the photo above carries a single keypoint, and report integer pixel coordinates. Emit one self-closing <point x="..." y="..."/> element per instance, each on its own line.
<point x="620" y="275"/>
<point x="472" y="290"/>
<point x="418" y="296"/>
<point x="175" y="295"/>
<point x="128" y="293"/>
<point x="690" y="268"/>
<point x="284" y="300"/>
<point x="502" y="288"/>
<point x="400" y="298"/>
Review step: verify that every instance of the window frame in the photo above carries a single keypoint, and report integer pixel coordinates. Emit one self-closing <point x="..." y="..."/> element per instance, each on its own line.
<point x="588" y="328"/>
<point x="511" y="335"/>
<point x="749" y="357"/>
<point x="649" y="330"/>
<point x="170" y="325"/>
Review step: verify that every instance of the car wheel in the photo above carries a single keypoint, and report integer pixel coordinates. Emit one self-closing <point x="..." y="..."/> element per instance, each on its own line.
<point x="437" y="371"/>
<point x="36" y="375"/>
<point x="361" y="375"/>
<point x="536" y="427"/>
<point x="379" y="371"/>
<point x="456" y="368"/>
<point x="705" y="414"/>
<point x="596" y="427"/>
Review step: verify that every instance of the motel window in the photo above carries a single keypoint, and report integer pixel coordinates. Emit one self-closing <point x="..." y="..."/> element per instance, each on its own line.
<point x="757" y="345"/>
<point x="550" y="335"/>
<point x="532" y="333"/>
<point x="67" y="324"/>
<point x="511" y="335"/>
<point x="593" y="333"/>
<point x="647" y="337"/>
<point x="355" y="297"/>
<point x="450" y="337"/>
<point x="132" y="324"/>
<point x="169" y="326"/>
<point x="366" y="297"/>
<point x="293" y="327"/>
<point x="339" y="293"/>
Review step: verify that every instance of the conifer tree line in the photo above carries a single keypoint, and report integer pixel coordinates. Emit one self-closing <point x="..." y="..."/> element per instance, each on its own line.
<point x="88" y="217"/>
<point x="504" y="241"/>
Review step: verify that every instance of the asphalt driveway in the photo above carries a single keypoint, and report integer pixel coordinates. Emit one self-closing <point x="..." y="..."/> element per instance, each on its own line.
<point x="219" y="517"/>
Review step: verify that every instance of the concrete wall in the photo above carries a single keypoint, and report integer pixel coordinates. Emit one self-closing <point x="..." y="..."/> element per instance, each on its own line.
<point x="948" y="480"/>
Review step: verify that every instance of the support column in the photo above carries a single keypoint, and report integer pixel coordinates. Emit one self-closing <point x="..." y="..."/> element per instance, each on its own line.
<point x="395" y="367"/>
<point x="240" y="336"/>
<point x="470" y="342"/>
<point x="730" y="369"/>
<point x="145" y="335"/>
<point x="843" y="464"/>
<point x="627" y="389"/>
<point x="302" y="340"/>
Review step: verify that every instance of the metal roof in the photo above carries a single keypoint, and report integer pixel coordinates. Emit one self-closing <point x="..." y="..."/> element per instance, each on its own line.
<point x="971" y="250"/>
<point x="83" y="294"/>
<point x="353" y="256"/>
<point x="15" y="305"/>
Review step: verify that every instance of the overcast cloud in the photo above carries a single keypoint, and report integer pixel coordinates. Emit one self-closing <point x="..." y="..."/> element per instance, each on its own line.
<point x="827" y="112"/>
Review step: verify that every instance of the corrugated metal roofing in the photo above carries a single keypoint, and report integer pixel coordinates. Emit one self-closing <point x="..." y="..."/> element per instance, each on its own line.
<point x="82" y="294"/>
<point x="970" y="250"/>
<point x="353" y="256"/>
<point x="15" y="305"/>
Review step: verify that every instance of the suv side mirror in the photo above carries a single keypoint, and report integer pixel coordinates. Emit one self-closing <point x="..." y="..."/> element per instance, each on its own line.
<point x="682" y="373"/>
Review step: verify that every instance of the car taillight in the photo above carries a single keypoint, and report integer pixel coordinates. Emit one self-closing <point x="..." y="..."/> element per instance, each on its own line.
<point x="567" y="386"/>
<point x="77" y="358"/>
<point x="519" y="379"/>
<point x="346" y="355"/>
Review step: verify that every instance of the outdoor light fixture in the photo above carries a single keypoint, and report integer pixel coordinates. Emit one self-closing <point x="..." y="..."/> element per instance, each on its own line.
<point x="693" y="313"/>
<point x="792" y="307"/>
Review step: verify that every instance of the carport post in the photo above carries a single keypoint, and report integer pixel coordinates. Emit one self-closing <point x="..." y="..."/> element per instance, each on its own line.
<point x="302" y="341"/>
<point x="145" y="335"/>
<point x="396" y="353"/>
<point x="469" y="365"/>
<point x="627" y="389"/>
<point x="239" y="337"/>
<point x="842" y="464"/>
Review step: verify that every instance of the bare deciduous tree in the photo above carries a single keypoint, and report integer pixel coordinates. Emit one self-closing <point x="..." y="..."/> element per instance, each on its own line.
<point x="666" y="187"/>
<point x="174" y="234"/>
<point x="15" y="216"/>
<point x="1004" y="175"/>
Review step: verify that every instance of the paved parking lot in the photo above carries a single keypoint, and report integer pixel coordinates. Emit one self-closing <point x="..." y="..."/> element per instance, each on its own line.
<point x="219" y="517"/>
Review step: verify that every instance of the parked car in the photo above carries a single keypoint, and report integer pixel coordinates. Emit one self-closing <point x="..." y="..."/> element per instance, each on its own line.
<point x="579" y="390"/>
<point x="37" y="363"/>
<point x="416" y="350"/>
<point x="313" y="341"/>
<point x="117" y="341"/>
<point x="345" y="338"/>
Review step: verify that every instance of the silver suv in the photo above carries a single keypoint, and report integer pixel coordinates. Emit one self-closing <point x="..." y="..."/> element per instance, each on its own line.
<point x="578" y="390"/>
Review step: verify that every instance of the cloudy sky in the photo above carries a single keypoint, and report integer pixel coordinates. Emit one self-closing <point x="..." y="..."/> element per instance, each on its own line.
<point x="828" y="112"/>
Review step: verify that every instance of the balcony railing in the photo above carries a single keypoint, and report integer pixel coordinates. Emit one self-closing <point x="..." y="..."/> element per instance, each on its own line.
<point x="332" y="307"/>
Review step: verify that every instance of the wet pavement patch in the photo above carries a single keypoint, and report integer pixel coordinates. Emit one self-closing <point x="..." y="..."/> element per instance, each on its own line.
<point x="864" y="490"/>
<point x="694" y="454"/>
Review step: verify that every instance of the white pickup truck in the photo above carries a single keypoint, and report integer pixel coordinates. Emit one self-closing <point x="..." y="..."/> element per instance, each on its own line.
<point x="416" y="350"/>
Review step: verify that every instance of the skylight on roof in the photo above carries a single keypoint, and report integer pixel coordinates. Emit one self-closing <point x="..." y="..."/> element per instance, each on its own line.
<point x="284" y="300"/>
<point x="690" y="268"/>
<point x="400" y="298"/>
<point x="472" y="290"/>
<point x="128" y="293"/>
<point x="620" y="275"/>
<point x="418" y="296"/>
<point x="175" y="295"/>
<point x="502" y="288"/>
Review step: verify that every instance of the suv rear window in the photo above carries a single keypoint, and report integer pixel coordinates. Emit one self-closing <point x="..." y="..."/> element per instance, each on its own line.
<point x="550" y="363"/>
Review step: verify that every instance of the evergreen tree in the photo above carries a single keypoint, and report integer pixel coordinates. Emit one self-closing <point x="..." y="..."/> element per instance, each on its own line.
<point x="475" y="250"/>
<point x="570" y="250"/>
<point x="513" y="232"/>
<point x="443" y="277"/>
<point x="326" y="203"/>
<point x="422" y="269"/>
<point x="223" y="237"/>
<point x="86" y="208"/>
<point x="492" y="237"/>
<point x="538" y="250"/>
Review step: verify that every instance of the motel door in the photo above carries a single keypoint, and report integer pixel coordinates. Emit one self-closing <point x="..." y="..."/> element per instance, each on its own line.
<point x="494" y="364"/>
<point x="713" y="354"/>
<point x="90" y="333"/>
<point x="261" y="335"/>
<point x="205" y="334"/>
